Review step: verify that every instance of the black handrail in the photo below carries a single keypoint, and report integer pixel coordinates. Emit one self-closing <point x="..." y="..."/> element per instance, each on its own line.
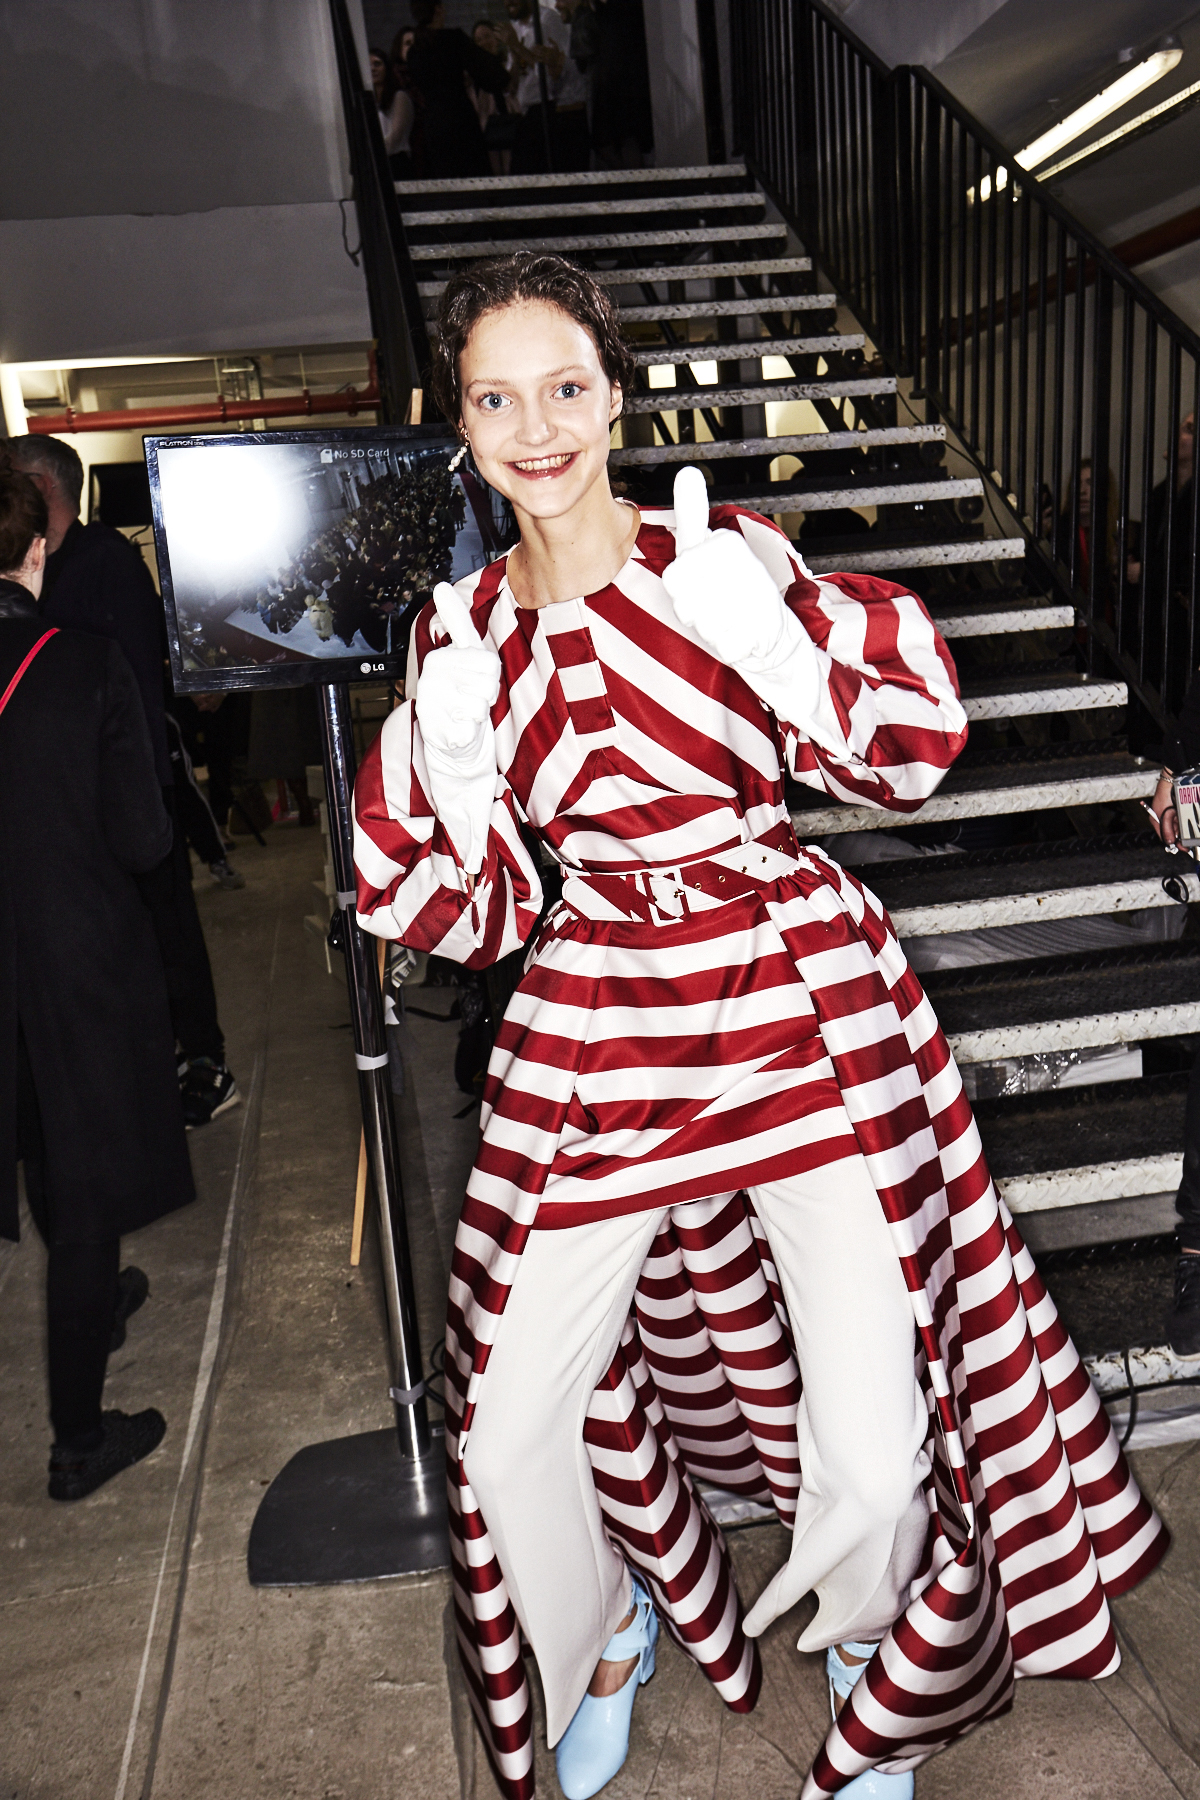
<point x="1046" y="356"/>
<point x="397" y="317"/>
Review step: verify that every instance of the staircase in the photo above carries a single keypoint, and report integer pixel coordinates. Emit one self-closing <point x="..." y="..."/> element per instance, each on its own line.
<point x="1047" y="923"/>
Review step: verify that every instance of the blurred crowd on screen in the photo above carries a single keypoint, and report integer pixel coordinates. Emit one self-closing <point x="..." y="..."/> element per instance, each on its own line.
<point x="566" y="88"/>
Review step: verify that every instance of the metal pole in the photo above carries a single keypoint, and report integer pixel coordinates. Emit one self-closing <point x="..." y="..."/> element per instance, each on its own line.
<point x="544" y="87"/>
<point x="407" y="1388"/>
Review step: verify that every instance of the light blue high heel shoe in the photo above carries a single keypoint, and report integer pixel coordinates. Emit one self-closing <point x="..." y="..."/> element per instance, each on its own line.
<point x="874" y="1784"/>
<point x="596" y="1742"/>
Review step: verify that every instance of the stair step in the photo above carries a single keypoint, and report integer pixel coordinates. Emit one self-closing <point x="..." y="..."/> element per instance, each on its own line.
<point x="1032" y="784"/>
<point x="726" y="309"/>
<point x="787" y="499"/>
<point x="919" y="556"/>
<point x="751" y="349"/>
<point x="583" y="209"/>
<point x="1096" y="998"/>
<point x="1022" y="696"/>
<point x="697" y="175"/>
<point x="713" y="271"/>
<point x="1117" y="1140"/>
<point x="780" y="446"/>
<point x="927" y="896"/>
<point x="987" y="618"/>
<point x="1149" y="1365"/>
<point x="1092" y="1182"/>
<point x="681" y="399"/>
<point x="609" y="243"/>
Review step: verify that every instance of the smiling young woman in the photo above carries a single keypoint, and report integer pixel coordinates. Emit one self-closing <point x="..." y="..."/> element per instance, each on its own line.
<point x="729" y="1220"/>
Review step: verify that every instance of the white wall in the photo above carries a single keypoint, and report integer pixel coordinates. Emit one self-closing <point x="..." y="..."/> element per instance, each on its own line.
<point x="178" y="284"/>
<point x="169" y="178"/>
<point x="676" y="83"/>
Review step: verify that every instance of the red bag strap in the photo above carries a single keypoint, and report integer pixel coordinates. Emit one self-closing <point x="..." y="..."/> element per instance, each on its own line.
<point x="11" y="689"/>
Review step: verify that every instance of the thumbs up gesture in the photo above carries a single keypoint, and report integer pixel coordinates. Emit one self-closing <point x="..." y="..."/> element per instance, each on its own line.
<point x="719" y="588"/>
<point x="458" y="686"/>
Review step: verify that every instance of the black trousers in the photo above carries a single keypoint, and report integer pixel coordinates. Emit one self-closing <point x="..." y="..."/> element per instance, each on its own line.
<point x="529" y="150"/>
<point x="572" y="140"/>
<point x="81" y="1289"/>
<point x="167" y="893"/>
<point x="198" y="824"/>
<point x="1187" y="1200"/>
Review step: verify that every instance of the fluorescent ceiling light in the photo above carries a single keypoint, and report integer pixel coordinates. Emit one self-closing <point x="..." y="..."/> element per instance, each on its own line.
<point x="1135" y="81"/>
<point x="1122" y="131"/>
<point x="103" y="362"/>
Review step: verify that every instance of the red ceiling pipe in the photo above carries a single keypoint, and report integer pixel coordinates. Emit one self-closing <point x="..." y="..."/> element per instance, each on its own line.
<point x="213" y="412"/>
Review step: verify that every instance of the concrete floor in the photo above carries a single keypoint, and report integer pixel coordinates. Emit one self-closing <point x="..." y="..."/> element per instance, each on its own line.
<point x="136" y="1660"/>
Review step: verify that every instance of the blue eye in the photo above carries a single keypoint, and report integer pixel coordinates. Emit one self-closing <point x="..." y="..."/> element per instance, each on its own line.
<point x="489" y="398"/>
<point x="569" y="389"/>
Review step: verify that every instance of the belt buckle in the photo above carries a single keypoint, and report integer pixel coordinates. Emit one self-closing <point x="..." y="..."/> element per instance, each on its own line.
<point x="664" y="888"/>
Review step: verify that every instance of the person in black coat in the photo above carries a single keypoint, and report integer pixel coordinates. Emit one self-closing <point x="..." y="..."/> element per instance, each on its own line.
<point x="439" y="61"/>
<point x="96" y="581"/>
<point x="89" y="1098"/>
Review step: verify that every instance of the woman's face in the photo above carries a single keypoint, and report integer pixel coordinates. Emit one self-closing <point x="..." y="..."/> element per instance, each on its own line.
<point x="537" y="406"/>
<point x="485" y="37"/>
<point x="406" y="38"/>
<point x="378" y="73"/>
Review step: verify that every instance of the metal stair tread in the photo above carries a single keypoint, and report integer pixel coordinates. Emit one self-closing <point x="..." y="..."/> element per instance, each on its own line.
<point x="1049" y="769"/>
<point x="1049" y="990"/>
<point x="721" y="350"/>
<point x="1117" y="1121"/>
<point x="781" y="446"/>
<point x="1018" y="869"/>
<point x="916" y="556"/>
<point x="611" y="243"/>
<point x="491" y="184"/>
<point x="739" y="307"/>
<point x="713" y="271"/>
<point x="891" y="490"/>
<point x="987" y="789"/>
<point x="982" y="616"/>
<point x="584" y="209"/>
<point x="1025" y="694"/>
<point x="820" y="387"/>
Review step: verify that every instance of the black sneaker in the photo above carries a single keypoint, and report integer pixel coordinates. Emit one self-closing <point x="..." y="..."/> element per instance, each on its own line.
<point x="1183" y="1320"/>
<point x="133" y="1290"/>
<point x="208" y="1089"/>
<point x="128" y="1437"/>
<point x="225" y="875"/>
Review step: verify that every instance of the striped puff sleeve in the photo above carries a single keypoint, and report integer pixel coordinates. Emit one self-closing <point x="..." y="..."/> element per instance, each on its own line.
<point x="888" y="721"/>
<point x="410" y="879"/>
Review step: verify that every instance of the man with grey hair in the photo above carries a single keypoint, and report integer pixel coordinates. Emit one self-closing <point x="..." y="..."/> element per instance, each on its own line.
<point x="97" y="581"/>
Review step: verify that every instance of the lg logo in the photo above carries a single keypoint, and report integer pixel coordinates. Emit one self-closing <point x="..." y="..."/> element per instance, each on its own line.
<point x="372" y="668"/>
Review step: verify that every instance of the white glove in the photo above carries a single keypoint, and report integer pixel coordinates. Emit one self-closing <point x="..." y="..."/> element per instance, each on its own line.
<point x="458" y="687"/>
<point x="721" y="590"/>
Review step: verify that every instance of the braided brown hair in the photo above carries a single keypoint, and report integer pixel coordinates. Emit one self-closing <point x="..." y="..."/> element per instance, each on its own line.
<point x="508" y="281"/>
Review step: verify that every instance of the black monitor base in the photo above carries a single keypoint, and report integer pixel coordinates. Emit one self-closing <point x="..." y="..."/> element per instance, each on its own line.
<point x="351" y="1509"/>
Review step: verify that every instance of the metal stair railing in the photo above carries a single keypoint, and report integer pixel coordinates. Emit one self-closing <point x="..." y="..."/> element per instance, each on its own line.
<point x="1015" y="324"/>
<point x="397" y="317"/>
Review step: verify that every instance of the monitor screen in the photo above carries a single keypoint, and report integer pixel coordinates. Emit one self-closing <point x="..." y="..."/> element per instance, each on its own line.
<point x="287" y="557"/>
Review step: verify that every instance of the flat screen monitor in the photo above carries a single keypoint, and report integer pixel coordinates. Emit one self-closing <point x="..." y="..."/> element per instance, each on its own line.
<point x="288" y="557"/>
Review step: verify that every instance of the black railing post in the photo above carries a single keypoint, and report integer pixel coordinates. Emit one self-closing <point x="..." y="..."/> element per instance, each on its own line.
<point x="899" y="146"/>
<point x="1099" y="575"/>
<point x="397" y="316"/>
<point x="535" y="19"/>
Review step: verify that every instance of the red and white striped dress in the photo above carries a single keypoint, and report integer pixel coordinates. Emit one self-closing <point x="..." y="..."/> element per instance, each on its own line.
<point x="709" y="1008"/>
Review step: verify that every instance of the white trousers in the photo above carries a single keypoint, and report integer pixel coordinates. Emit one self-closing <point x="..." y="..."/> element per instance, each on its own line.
<point x="861" y="1422"/>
